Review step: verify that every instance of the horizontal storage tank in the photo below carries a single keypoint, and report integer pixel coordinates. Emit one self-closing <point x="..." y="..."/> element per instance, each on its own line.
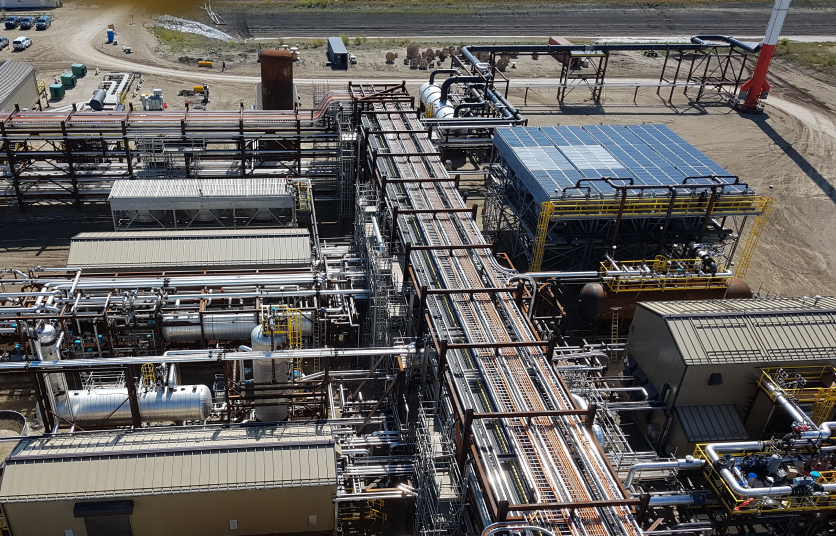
<point x="430" y="95"/>
<point x="216" y="327"/>
<point x="110" y="406"/>
<point x="596" y="300"/>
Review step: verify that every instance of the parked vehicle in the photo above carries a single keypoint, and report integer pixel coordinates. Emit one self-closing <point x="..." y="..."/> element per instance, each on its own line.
<point x="26" y="23"/>
<point x="4" y="42"/>
<point x="12" y="22"/>
<point x="44" y="22"/>
<point x="22" y="43"/>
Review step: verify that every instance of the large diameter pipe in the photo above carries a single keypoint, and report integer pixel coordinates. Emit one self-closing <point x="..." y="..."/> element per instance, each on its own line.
<point x="790" y="407"/>
<point x="687" y="464"/>
<point x="713" y="450"/>
<point x="111" y="406"/>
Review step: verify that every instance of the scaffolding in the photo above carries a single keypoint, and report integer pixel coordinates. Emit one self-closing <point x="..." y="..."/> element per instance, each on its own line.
<point x="379" y="261"/>
<point x="439" y="503"/>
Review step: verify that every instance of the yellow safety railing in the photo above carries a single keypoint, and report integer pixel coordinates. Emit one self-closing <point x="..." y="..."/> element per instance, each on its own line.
<point x="282" y="320"/>
<point x="149" y="376"/>
<point x="303" y="196"/>
<point x="738" y="505"/>
<point x="647" y="207"/>
<point x="822" y="396"/>
<point x="728" y="205"/>
<point x="752" y="241"/>
<point x="542" y="231"/>
<point x="665" y="274"/>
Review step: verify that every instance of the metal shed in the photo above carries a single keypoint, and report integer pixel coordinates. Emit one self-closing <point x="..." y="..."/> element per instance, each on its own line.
<point x="195" y="249"/>
<point x="17" y="86"/>
<point x="244" y="479"/>
<point x="185" y="203"/>
<point x="693" y="353"/>
<point x="337" y="53"/>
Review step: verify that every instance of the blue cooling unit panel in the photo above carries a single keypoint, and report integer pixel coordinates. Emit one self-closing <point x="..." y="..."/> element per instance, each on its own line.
<point x="559" y="162"/>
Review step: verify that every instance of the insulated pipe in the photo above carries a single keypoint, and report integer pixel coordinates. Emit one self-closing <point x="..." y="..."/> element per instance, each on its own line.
<point x="686" y="464"/>
<point x="377" y="234"/>
<point x="481" y="103"/>
<point x="445" y="86"/>
<point x="505" y="526"/>
<point x="206" y="355"/>
<point x="701" y="40"/>
<point x="791" y="408"/>
<point x="713" y="450"/>
<point x="672" y="500"/>
<point x="442" y="71"/>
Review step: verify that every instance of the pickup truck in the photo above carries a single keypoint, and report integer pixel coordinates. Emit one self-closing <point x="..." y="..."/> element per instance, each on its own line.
<point x="12" y="22"/>
<point x="44" y="22"/>
<point x="26" y="23"/>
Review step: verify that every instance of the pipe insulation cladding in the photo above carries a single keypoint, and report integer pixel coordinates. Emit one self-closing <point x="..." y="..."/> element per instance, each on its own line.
<point x="111" y="406"/>
<point x="277" y="80"/>
<point x="216" y="327"/>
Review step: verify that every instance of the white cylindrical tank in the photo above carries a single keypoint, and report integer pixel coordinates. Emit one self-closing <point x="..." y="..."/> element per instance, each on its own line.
<point x="216" y="327"/>
<point x="264" y="370"/>
<point x="430" y="95"/>
<point x="111" y="406"/>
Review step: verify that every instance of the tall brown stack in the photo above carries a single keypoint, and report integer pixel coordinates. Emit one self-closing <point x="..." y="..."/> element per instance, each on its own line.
<point x="277" y="80"/>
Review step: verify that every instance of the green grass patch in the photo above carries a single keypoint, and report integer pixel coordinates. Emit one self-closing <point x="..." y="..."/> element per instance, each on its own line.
<point x="818" y="56"/>
<point x="177" y="41"/>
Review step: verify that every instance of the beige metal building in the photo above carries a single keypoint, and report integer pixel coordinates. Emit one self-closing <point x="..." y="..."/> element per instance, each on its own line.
<point x="703" y="358"/>
<point x="201" y="482"/>
<point x="193" y="250"/>
<point x="17" y="85"/>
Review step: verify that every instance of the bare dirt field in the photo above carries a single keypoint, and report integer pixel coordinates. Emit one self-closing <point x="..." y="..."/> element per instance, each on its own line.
<point x="248" y="19"/>
<point x="791" y="146"/>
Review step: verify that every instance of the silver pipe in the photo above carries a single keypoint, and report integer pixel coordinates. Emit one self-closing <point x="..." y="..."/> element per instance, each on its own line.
<point x="346" y="497"/>
<point x="172" y="375"/>
<point x="377" y="233"/>
<point x="507" y="526"/>
<point x="790" y="407"/>
<point x="209" y="355"/>
<point x="713" y="449"/>
<point x="75" y="283"/>
<point x="689" y="463"/>
<point x="672" y="500"/>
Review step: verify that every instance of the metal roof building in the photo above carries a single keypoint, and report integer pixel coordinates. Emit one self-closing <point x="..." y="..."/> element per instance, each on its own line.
<point x="697" y="353"/>
<point x="17" y="85"/>
<point x="193" y="249"/>
<point x="181" y="203"/>
<point x="184" y="194"/>
<point x="251" y="479"/>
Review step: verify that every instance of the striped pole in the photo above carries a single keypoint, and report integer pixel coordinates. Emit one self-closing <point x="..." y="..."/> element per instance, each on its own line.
<point x="757" y="88"/>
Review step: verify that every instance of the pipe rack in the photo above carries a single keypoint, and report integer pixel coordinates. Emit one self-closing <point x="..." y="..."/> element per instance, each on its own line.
<point x="525" y="464"/>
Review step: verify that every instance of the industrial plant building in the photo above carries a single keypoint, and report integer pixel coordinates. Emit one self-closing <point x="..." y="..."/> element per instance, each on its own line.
<point x="194" y="481"/>
<point x="298" y="324"/>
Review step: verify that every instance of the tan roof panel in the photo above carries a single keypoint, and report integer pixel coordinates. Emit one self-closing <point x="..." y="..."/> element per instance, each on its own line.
<point x="751" y="331"/>
<point x="129" y="464"/>
<point x="277" y="248"/>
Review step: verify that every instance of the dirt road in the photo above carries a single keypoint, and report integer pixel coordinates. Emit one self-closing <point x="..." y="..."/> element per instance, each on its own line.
<point x="790" y="147"/>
